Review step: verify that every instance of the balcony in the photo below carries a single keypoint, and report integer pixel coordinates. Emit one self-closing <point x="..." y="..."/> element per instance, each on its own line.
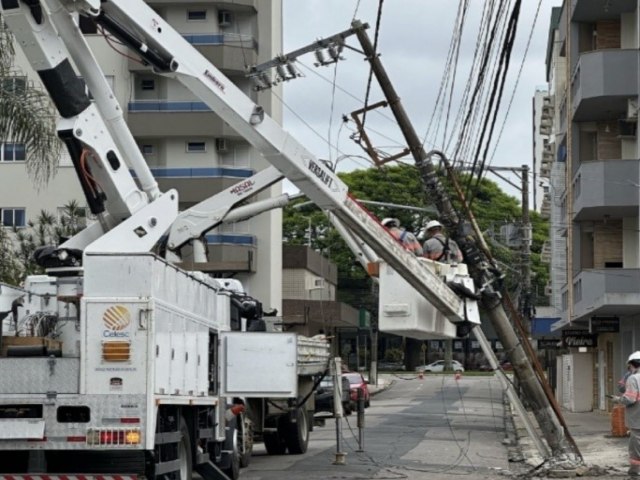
<point x="164" y="118"/>
<point x="230" y="52"/>
<point x="196" y="184"/>
<point x="599" y="90"/>
<point x="606" y="188"/>
<point x="227" y="253"/>
<point x="610" y="291"/>
<point x="590" y="11"/>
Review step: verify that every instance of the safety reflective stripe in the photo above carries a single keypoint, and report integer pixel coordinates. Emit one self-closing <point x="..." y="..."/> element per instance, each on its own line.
<point x="68" y="477"/>
<point x="632" y="395"/>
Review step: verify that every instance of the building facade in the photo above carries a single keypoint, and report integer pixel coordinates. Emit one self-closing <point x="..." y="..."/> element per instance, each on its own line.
<point x="592" y="69"/>
<point x="186" y="145"/>
<point x="309" y="306"/>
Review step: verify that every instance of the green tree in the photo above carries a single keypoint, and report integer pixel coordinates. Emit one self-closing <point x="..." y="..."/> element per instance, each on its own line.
<point x="26" y="115"/>
<point x="400" y="184"/>
<point x="18" y="245"/>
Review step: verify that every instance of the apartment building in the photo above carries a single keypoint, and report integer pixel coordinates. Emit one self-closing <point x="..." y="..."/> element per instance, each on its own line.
<point x="186" y="145"/>
<point x="592" y="70"/>
<point x="309" y="305"/>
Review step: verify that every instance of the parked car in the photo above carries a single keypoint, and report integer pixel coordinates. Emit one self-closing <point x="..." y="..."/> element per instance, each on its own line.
<point x="390" y="366"/>
<point x="324" y="395"/>
<point x="438" y="366"/>
<point x="357" y="382"/>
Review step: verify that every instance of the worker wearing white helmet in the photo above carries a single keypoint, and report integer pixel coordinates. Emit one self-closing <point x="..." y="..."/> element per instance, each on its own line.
<point x="631" y="399"/>
<point x="406" y="238"/>
<point x="438" y="246"/>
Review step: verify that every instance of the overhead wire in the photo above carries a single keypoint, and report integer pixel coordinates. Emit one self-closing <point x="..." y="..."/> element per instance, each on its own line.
<point x="515" y="87"/>
<point x="496" y="93"/>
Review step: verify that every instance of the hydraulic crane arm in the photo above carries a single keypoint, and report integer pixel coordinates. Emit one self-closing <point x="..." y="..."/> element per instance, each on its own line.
<point x="146" y="32"/>
<point x="100" y="145"/>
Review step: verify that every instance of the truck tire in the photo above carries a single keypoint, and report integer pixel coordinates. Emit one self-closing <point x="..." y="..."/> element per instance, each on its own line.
<point x="184" y="453"/>
<point x="296" y="431"/>
<point x="232" y="470"/>
<point x="245" y="440"/>
<point x="274" y="442"/>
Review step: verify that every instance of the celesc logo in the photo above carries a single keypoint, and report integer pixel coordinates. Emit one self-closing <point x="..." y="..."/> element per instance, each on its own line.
<point x="116" y="318"/>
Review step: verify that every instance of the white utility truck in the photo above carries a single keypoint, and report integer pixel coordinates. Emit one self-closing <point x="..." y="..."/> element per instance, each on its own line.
<point x="132" y="367"/>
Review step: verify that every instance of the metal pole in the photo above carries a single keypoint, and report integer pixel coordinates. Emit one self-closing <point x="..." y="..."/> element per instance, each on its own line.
<point x="336" y="367"/>
<point x="484" y="274"/>
<point x="360" y="421"/>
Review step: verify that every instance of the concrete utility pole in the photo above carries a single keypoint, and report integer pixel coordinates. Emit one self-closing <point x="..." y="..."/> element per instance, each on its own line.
<point x="481" y="269"/>
<point x="526" y="306"/>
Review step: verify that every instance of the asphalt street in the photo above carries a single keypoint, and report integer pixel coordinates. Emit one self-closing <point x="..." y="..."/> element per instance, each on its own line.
<point x="438" y="428"/>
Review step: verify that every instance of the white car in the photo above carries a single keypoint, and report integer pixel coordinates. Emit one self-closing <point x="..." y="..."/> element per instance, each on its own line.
<point x="438" y="366"/>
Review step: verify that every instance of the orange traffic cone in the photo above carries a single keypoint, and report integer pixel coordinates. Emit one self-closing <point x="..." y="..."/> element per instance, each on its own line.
<point x="457" y="376"/>
<point x="421" y="374"/>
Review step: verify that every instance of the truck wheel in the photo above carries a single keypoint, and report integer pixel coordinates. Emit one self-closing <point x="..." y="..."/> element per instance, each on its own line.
<point x="274" y="442"/>
<point x="185" y="461"/>
<point x="296" y="431"/>
<point x="245" y="440"/>
<point x="231" y="445"/>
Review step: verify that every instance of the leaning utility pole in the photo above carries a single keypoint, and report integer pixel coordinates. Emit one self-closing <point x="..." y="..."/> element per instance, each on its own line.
<point x="485" y="274"/>
<point x="526" y="306"/>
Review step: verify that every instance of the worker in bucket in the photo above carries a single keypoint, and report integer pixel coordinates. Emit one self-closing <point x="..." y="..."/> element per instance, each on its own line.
<point x="405" y="237"/>
<point x="631" y="400"/>
<point x="438" y="246"/>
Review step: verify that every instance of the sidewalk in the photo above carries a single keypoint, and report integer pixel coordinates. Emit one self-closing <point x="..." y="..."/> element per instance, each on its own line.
<point x="384" y="382"/>
<point x="592" y="434"/>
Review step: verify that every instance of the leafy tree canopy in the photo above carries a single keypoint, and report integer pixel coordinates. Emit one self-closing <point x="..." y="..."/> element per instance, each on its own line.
<point x="401" y="185"/>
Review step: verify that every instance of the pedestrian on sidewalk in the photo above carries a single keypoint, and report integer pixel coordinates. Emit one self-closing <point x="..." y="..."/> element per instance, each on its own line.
<point x="631" y="400"/>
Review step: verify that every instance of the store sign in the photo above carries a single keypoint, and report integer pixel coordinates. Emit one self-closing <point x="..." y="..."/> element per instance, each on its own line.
<point x="548" y="343"/>
<point x="579" y="338"/>
<point x="604" y="325"/>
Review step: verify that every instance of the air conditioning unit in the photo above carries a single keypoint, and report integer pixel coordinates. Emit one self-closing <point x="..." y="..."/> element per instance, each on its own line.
<point x="627" y="129"/>
<point x="632" y="109"/>
<point x="222" y="146"/>
<point x="224" y="18"/>
<point x="548" y="291"/>
<point x="316" y="283"/>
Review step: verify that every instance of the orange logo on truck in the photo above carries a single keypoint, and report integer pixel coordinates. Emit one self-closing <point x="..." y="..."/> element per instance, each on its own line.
<point x="116" y="318"/>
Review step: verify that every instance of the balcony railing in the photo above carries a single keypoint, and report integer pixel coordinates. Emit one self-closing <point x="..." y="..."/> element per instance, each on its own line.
<point x="228" y="39"/>
<point x="167" y="106"/>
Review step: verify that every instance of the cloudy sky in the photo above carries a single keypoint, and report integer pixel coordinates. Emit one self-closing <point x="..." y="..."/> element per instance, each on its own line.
<point x="413" y="42"/>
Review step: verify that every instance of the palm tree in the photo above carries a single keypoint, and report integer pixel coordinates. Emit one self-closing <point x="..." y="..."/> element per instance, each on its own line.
<point x="26" y="115"/>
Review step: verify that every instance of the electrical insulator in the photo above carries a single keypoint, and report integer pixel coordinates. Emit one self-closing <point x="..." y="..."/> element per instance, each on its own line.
<point x="320" y="57"/>
<point x="264" y="77"/>
<point x="293" y="71"/>
<point x="281" y="73"/>
<point x="333" y="52"/>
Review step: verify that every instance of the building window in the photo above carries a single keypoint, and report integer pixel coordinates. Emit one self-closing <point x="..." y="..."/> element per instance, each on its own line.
<point x="197" y="15"/>
<point x="196" y="147"/>
<point x="147" y="149"/>
<point x="148" y="84"/>
<point x="13" y="85"/>
<point x="13" y="217"/>
<point x="13" y="152"/>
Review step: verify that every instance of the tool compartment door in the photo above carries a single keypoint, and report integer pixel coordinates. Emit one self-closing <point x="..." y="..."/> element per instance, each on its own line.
<point x="258" y="364"/>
